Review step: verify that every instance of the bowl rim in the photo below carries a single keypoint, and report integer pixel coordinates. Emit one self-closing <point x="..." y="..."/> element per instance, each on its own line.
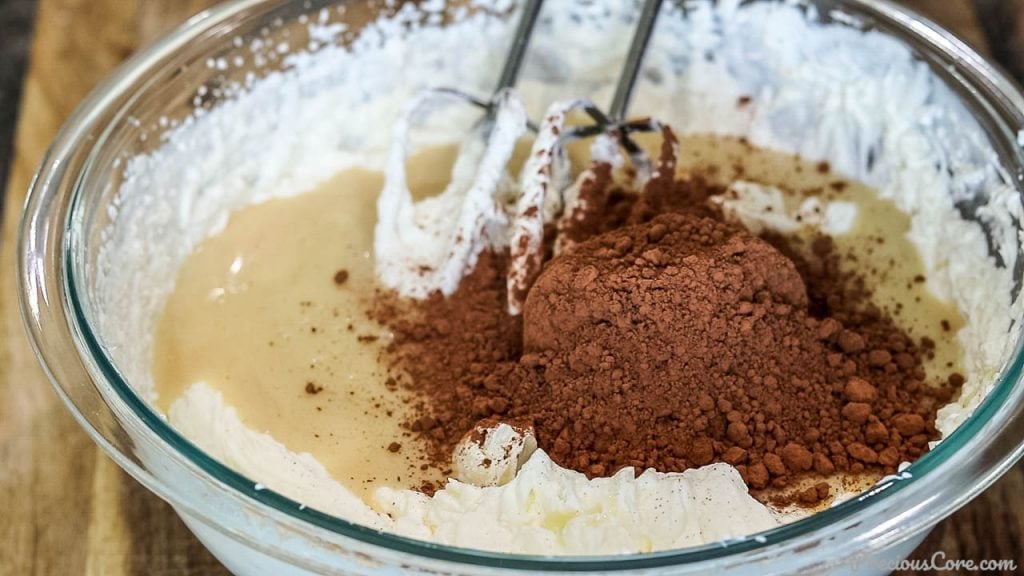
<point x="859" y="508"/>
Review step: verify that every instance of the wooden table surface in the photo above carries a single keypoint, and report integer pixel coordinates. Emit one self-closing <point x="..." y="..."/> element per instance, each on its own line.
<point x="65" y="508"/>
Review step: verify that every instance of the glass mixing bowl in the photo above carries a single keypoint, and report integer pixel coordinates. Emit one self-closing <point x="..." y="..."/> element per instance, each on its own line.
<point x="73" y="202"/>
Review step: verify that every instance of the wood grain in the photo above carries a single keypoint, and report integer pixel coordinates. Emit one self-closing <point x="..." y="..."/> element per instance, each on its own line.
<point x="67" y="509"/>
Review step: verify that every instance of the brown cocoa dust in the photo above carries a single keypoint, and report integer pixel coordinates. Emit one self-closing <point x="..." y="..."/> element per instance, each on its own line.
<point x="666" y="338"/>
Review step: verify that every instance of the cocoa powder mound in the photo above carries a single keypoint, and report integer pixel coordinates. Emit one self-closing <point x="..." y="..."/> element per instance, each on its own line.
<point x="667" y="338"/>
<point x="658" y="341"/>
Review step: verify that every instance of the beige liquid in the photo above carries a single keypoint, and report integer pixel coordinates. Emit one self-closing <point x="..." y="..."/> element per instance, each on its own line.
<point x="256" y="312"/>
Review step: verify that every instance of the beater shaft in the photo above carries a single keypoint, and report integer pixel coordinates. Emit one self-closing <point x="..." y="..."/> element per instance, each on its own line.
<point x="634" y="59"/>
<point x="520" y="40"/>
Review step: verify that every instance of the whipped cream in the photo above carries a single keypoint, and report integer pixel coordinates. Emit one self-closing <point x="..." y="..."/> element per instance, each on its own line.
<point x="857" y="99"/>
<point x="492" y="456"/>
<point x="547" y="508"/>
<point x="760" y="208"/>
<point x="544" y="509"/>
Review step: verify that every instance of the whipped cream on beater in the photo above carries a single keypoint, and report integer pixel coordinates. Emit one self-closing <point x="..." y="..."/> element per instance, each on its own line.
<point x="428" y="246"/>
<point x="857" y="99"/>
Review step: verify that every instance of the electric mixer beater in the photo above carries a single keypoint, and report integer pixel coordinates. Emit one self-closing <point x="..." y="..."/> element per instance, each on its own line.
<point x="482" y="207"/>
